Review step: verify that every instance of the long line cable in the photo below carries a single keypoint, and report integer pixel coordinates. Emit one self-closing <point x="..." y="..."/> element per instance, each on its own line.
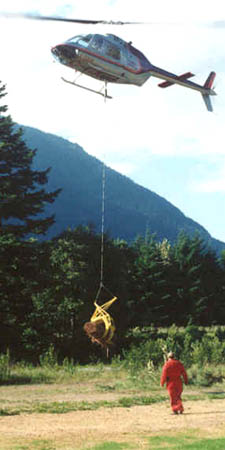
<point x="103" y="226"/>
<point x="101" y="285"/>
<point x="103" y="215"/>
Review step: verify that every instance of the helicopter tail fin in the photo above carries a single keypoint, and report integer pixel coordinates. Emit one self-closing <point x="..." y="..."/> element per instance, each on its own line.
<point x="209" y="91"/>
<point x="208" y="102"/>
<point x="209" y="82"/>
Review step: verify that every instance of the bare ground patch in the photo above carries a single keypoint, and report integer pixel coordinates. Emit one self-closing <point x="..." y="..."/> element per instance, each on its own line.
<point x="83" y="429"/>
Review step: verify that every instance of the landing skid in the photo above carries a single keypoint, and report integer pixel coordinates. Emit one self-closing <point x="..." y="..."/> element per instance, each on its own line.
<point x="103" y="94"/>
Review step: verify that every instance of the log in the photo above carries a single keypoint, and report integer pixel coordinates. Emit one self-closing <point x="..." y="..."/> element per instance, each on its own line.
<point x="95" y="329"/>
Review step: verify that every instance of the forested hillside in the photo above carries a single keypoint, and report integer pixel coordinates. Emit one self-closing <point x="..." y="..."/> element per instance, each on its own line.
<point x="129" y="208"/>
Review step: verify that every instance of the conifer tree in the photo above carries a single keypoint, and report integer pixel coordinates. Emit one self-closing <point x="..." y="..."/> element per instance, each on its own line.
<point x="22" y="197"/>
<point x="22" y="203"/>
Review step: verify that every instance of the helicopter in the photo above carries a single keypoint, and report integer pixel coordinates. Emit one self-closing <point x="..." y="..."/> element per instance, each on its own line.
<point x="110" y="59"/>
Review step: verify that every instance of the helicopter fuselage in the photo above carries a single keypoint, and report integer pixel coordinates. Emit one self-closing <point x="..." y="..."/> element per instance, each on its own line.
<point x="104" y="57"/>
<point x="110" y="59"/>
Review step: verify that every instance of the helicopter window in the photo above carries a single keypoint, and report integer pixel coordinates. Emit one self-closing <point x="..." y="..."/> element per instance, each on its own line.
<point x="97" y="42"/>
<point x="112" y="51"/>
<point x="84" y="40"/>
<point x="74" y="39"/>
<point x="81" y="39"/>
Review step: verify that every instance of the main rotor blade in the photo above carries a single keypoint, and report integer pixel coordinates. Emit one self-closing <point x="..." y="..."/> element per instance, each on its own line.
<point x="33" y="16"/>
<point x="64" y="19"/>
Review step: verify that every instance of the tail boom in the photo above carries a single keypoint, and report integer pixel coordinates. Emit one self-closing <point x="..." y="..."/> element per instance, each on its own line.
<point x="171" y="79"/>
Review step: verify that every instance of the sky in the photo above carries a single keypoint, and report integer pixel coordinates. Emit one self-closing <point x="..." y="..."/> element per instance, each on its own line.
<point x="163" y="139"/>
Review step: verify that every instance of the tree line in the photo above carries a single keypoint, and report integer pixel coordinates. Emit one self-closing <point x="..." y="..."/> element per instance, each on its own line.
<point x="48" y="287"/>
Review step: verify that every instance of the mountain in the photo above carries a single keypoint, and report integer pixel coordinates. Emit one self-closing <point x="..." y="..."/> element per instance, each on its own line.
<point x="130" y="209"/>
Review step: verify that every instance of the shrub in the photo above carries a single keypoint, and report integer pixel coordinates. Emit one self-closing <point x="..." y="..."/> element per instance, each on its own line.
<point x="207" y="376"/>
<point x="49" y="358"/>
<point x="138" y="357"/>
<point x="4" y="366"/>
<point x="208" y="350"/>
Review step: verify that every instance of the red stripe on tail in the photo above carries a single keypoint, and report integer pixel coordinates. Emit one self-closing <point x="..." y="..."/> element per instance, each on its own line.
<point x="209" y="82"/>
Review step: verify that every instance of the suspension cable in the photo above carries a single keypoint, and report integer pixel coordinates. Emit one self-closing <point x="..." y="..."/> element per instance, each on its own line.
<point x="103" y="226"/>
<point x="101" y="285"/>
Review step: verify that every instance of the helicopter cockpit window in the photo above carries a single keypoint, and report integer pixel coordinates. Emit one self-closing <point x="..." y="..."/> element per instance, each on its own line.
<point x="81" y="39"/>
<point x="112" y="51"/>
<point x="84" y="40"/>
<point x="74" y="39"/>
<point x="97" y="42"/>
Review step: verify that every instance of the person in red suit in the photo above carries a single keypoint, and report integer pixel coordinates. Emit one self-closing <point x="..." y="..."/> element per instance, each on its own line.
<point x="172" y="374"/>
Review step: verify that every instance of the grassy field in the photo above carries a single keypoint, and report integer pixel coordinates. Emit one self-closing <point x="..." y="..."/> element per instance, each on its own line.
<point x="104" y="407"/>
<point x="177" y="442"/>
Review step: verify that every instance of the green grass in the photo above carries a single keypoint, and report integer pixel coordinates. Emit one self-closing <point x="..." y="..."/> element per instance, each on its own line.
<point x="114" y="377"/>
<point x="176" y="442"/>
<point x="185" y="442"/>
<point x="62" y="407"/>
<point x="65" y="407"/>
<point x="173" y="442"/>
<point x="112" y="446"/>
<point x="24" y="373"/>
<point x="205" y="444"/>
<point x="179" y="441"/>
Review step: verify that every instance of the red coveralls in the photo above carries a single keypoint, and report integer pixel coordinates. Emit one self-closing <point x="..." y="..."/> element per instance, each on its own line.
<point x="171" y="374"/>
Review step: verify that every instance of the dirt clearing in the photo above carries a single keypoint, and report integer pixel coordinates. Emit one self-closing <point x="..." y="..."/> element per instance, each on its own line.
<point x="84" y="429"/>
